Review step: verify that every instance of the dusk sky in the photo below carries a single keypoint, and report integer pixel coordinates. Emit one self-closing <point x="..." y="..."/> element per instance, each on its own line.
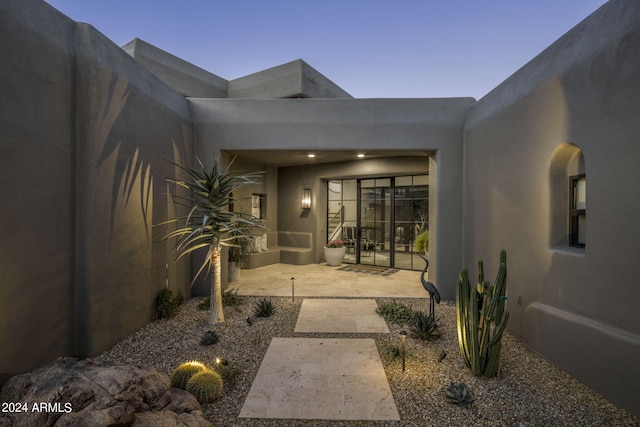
<point x="372" y="49"/>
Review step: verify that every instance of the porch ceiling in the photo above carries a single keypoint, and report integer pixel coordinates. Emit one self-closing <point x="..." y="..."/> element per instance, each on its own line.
<point x="281" y="158"/>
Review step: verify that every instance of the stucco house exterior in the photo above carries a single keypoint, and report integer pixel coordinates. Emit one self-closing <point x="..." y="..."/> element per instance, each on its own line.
<point x="86" y="126"/>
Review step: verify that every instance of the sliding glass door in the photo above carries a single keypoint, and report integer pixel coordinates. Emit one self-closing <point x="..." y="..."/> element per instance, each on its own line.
<point x="379" y="218"/>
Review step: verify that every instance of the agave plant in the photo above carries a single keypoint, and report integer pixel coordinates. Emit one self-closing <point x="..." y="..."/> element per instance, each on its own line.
<point x="424" y="326"/>
<point x="458" y="394"/>
<point x="209" y="338"/>
<point x="209" y="223"/>
<point x="263" y="307"/>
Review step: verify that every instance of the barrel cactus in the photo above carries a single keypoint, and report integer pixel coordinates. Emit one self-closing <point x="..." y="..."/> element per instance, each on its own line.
<point x="482" y="318"/>
<point x="206" y="386"/>
<point x="184" y="372"/>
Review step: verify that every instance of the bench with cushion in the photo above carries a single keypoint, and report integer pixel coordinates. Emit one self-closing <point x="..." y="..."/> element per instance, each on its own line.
<point x="292" y="247"/>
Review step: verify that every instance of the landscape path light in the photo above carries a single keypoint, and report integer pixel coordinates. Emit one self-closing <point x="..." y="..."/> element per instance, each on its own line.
<point x="403" y="339"/>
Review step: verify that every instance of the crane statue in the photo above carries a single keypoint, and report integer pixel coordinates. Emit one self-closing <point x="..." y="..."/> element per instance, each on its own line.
<point x="434" y="295"/>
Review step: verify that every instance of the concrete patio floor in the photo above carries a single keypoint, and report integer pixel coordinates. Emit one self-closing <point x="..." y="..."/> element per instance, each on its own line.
<point x="320" y="280"/>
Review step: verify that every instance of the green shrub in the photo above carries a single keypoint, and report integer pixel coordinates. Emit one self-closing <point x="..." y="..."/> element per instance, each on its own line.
<point x="392" y="350"/>
<point x="422" y="242"/>
<point x="424" y="326"/>
<point x="263" y="307"/>
<point x="184" y="372"/>
<point x="395" y="312"/>
<point x="229" y="374"/>
<point x="166" y="304"/>
<point x="205" y="304"/>
<point x="230" y="298"/>
<point x="206" y="386"/>
<point x="209" y="338"/>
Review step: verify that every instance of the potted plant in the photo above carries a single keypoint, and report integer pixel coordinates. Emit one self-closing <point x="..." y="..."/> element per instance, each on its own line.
<point x="334" y="252"/>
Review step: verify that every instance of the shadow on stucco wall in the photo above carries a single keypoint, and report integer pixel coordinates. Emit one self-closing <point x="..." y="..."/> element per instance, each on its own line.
<point x="85" y="129"/>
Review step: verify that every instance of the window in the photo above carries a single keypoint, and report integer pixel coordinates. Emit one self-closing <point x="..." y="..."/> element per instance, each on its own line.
<point x="577" y="212"/>
<point x="568" y="199"/>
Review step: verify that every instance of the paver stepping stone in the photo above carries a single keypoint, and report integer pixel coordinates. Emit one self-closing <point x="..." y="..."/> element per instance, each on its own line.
<point x="321" y="378"/>
<point x="340" y="316"/>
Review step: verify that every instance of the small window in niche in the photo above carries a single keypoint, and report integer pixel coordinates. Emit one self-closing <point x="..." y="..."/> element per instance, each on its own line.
<point x="259" y="206"/>
<point x="578" y="211"/>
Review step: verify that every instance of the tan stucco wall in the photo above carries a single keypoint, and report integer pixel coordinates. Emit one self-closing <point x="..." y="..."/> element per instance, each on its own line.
<point x="579" y="307"/>
<point x="83" y="131"/>
<point x="36" y="255"/>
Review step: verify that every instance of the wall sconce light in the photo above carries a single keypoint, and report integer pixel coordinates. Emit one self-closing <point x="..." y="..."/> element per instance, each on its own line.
<point x="305" y="202"/>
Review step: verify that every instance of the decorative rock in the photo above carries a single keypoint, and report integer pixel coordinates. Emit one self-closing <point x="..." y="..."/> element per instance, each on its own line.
<point x="97" y="393"/>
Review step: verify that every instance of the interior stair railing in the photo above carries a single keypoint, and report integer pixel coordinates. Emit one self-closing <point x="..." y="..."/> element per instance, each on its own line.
<point x="337" y="222"/>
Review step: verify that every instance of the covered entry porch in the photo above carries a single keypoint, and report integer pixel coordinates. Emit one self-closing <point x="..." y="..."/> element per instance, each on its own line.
<point x="397" y="138"/>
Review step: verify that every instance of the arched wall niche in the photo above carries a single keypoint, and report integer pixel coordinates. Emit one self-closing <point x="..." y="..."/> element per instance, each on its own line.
<point x="567" y="160"/>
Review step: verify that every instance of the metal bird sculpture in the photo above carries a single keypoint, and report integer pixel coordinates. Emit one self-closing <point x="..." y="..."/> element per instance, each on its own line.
<point x="434" y="295"/>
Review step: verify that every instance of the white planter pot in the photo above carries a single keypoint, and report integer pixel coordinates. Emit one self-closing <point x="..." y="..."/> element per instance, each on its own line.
<point x="334" y="256"/>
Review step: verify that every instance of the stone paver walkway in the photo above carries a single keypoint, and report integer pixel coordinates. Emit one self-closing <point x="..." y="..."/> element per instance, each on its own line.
<point x="325" y="378"/>
<point x="340" y="316"/>
<point x="321" y="378"/>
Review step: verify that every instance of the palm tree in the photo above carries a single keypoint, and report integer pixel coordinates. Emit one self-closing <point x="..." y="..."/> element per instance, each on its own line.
<point x="209" y="223"/>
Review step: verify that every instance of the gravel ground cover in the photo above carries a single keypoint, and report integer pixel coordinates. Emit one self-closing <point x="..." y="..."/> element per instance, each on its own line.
<point x="529" y="392"/>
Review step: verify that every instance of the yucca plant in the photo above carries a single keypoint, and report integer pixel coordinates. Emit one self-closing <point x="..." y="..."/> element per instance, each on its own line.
<point x="209" y="223"/>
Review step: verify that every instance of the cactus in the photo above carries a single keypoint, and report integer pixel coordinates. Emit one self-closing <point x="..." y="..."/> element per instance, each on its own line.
<point x="481" y="319"/>
<point x="206" y="386"/>
<point x="264" y="307"/>
<point x="458" y="394"/>
<point x="184" y="372"/>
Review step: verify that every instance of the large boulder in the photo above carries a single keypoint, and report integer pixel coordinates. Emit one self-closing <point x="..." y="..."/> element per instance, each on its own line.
<point x="90" y="392"/>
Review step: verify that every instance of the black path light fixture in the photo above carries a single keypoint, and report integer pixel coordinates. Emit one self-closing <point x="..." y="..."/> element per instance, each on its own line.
<point x="403" y="339"/>
<point x="305" y="200"/>
<point x="293" y="293"/>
